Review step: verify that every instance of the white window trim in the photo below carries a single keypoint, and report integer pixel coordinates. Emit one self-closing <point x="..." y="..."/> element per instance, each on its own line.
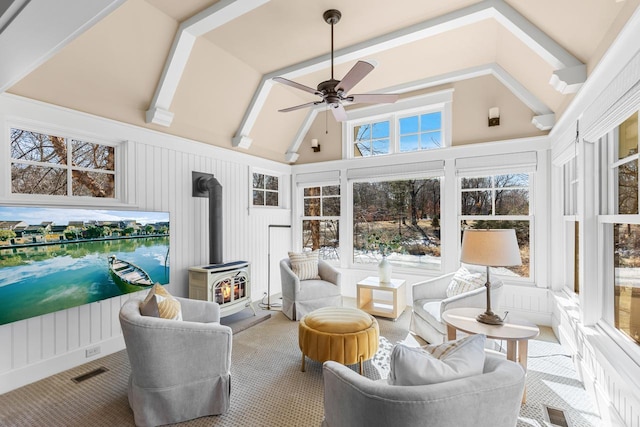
<point x="124" y="154"/>
<point x="347" y="247"/>
<point x="301" y="217"/>
<point x="423" y="104"/>
<point x="282" y="200"/>
<point x="606" y="220"/>
<point x="530" y="217"/>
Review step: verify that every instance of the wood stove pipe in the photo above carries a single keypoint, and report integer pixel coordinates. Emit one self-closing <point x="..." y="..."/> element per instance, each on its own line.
<point x="206" y="185"/>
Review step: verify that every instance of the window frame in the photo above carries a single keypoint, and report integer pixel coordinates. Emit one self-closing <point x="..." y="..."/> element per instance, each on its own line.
<point x="606" y="219"/>
<point x="398" y="177"/>
<point x="530" y="217"/>
<point x="281" y="201"/>
<point x="302" y="217"/>
<point x="123" y="195"/>
<point x="424" y="104"/>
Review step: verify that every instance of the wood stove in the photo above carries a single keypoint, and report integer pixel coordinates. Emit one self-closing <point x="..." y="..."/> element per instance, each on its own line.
<point x="227" y="284"/>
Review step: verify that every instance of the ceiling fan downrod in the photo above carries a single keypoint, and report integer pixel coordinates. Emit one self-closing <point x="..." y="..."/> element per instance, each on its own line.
<point x="332" y="17"/>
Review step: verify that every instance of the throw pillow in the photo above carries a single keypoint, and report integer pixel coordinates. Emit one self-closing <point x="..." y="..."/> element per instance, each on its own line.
<point x="160" y="303"/>
<point x="464" y="281"/>
<point x="304" y="264"/>
<point x="437" y="363"/>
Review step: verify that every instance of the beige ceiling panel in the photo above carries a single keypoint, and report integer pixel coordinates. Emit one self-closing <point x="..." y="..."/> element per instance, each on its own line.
<point x="274" y="130"/>
<point x="111" y="70"/>
<point x="628" y="7"/>
<point x="527" y="68"/>
<point x="578" y="25"/>
<point x="451" y="51"/>
<point x="328" y="132"/>
<point x="285" y="32"/>
<point x="471" y="102"/>
<point x="180" y="10"/>
<point x="213" y="94"/>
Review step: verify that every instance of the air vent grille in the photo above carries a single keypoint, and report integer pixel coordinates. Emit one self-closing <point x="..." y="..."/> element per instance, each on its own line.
<point x="89" y="374"/>
<point x="556" y="416"/>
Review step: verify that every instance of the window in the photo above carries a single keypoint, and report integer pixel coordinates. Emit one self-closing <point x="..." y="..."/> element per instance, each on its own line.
<point x="421" y="132"/>
<point x="321" y="220"/>
<point x="265" y="190"/>
<point x="399" y="218"/>
<point x="371" y="139"/>
<point x="499" y="201"/>
<point x="49" y="164"/>
<point x="622" y="227"/>
<point x="571" y="223"/>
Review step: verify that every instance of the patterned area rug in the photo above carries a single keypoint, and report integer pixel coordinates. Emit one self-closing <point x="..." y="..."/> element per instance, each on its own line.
<point x="268" y="388"/>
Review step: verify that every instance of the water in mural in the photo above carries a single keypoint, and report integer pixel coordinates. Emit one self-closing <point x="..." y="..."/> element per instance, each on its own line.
<point x="53" y="259"/>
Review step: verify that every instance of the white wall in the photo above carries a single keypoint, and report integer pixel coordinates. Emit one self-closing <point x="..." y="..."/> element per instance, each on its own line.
<point x="159" y="167"/>
<point x="605" y="360"/>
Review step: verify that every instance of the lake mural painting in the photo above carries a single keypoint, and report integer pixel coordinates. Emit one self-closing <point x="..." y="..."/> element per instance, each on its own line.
<point x="52" y="259"/>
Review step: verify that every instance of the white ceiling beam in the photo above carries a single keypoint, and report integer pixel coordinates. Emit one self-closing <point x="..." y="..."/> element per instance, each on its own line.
<point x="201" y="23"/>
<point x="29" y="38"/>
<point x="518" y="25"/>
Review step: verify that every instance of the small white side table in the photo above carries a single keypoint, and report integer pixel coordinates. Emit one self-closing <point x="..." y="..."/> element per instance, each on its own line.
<point x="517" y="332"/>
<point x="391" y="309"/>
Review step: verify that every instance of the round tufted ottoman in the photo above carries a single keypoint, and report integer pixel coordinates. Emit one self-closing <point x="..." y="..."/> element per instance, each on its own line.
<point x="342" y="334"/>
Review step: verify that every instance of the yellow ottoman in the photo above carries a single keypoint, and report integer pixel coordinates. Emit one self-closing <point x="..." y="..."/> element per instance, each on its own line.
<point x="342" y="334"/>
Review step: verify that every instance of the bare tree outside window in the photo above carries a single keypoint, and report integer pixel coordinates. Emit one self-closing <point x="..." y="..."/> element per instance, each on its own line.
<point x="495" y="202"/>
<point x="47" y="164"/>
<point x="402" y="218"/>
<point x="321" y="220"/>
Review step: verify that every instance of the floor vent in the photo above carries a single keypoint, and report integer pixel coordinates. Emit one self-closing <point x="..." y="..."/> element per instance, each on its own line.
<point x="88" y="375"/>
<point x="555" y="416"/>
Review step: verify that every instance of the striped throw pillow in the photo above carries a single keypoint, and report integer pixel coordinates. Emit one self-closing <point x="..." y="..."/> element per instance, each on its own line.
<point x="464" y="281"/>
<point x="304" y="264"/>
<point x="160" y="303"/>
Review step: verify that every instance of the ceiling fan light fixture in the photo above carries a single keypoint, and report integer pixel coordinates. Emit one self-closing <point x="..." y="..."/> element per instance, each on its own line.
<point x="333" y="91"/>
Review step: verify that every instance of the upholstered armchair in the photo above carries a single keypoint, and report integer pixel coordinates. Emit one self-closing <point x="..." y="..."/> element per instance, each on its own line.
<point x="430" y="301"/>
<point x="491" y="399"/>
<point x="180" y="369"/>
<point x="300" y="297"/>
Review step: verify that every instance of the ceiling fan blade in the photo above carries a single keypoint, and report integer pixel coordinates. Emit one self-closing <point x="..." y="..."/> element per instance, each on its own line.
<point x="298" y="107"/>
<point x="296" y="85"/>
<point x="353" y="77"/>
<point x="338" y="112"/>
<point x="374" y="98"/>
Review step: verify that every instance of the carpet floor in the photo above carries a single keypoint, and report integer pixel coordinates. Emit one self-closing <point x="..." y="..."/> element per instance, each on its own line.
<point x="268" y="388"/>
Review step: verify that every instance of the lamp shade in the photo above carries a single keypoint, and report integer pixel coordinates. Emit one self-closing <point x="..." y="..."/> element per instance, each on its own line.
<point x="492" y="248"/>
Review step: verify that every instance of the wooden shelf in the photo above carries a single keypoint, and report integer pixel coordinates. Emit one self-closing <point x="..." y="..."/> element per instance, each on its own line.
<point x="384" y="308"/>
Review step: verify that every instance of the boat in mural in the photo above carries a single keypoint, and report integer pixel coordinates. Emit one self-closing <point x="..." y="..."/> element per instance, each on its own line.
<point x="128" y="273"/>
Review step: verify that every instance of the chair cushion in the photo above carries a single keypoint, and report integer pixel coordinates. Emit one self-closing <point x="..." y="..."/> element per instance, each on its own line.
<point x="429" y="311"/>
<point x="314" y="289"/>
<point x="160" y="303"/>
<point x="464" y="281"/>
<point x="304" y="264"/>
<point x="433" y="364"/>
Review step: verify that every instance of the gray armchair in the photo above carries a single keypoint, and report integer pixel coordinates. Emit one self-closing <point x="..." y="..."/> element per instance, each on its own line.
<point x="430" y="301"/>
<point x="491" y="399"/>
<point x="180" y="370"/>
<point x="302" y="297"/>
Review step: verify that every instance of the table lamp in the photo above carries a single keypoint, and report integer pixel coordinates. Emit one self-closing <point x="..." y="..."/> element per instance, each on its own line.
<point x="491" y="248"/>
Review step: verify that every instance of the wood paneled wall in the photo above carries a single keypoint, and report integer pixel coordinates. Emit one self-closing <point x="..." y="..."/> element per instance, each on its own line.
<point x="159" y="169"/>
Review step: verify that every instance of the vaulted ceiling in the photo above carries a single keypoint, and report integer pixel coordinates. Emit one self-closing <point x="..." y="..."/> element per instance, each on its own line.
<point x="202" y="69"/>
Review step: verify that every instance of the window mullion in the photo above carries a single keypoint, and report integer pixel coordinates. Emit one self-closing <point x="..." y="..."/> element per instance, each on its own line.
<point x="69" y="168"/>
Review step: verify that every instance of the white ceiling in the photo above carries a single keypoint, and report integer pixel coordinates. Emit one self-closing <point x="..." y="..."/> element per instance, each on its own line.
<point x="214" y="84"/>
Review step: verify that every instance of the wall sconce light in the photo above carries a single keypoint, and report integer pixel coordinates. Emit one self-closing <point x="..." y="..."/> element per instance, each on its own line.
<point x="314" y="145"/>
<point x="494" y="116"/>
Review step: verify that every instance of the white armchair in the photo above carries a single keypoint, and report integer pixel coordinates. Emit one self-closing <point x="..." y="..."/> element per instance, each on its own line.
<point x="430" y="301"/>
<point x="180" y="369"/>
<point x="300" y="297"/>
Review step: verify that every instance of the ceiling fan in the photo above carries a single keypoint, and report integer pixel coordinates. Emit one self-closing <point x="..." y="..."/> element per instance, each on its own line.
<point x="333" y="91"/>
